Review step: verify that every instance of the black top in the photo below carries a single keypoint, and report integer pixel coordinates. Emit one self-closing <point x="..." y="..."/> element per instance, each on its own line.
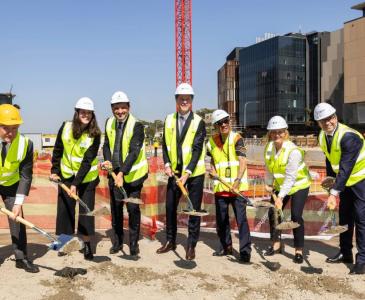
<point x="197" y="146"/>
<point x="25" y="172"/>
<point x="135" y="147"/>
<point x="85" y="166"/>
<point x="351" y="145"/>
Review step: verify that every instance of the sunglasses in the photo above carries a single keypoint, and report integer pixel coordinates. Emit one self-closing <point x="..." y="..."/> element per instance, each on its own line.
<point x="221" y="122"/>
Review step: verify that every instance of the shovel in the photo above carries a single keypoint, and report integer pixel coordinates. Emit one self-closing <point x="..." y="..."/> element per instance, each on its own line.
<point x="334" y="229"/>
<point x="246" y="200"/>
<point x="190" y="209"/>
<point x="64" y="243"/>
<point x="285" y="224"/>
<point x="95" y="213"/>
<point x="121" y="189"/>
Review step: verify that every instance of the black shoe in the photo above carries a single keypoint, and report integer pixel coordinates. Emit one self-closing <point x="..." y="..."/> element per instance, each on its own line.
<point x="358" y="269"/>
<point x="224" y="251"/>
<point x="190" y="253"/>
<point x="245" y="257"/>
<point x="26" y="265"/>
<point x="88" y="252"/>
<point x="134" y="250"/>
<point x="166" y="247"/>
<point x="270" y="250"/>
<point x="298" y="258"/>
<point x="117" y="245"/>
<point x="340" y="258"/>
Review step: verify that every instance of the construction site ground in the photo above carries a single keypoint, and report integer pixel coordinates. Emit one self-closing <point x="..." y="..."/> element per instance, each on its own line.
<point x="170" y="276"/>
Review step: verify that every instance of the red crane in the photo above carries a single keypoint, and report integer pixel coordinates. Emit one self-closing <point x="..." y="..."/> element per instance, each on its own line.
<point x="183" y="42"/>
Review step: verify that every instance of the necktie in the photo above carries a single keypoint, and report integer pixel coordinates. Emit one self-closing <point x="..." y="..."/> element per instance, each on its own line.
<point x="3" y="152"/>
<point x="329" y="142"/>
<point x="181" y="123"/>
<point x="116" y="152"/>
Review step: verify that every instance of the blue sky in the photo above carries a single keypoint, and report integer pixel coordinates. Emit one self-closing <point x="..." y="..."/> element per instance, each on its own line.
<point x="55" y="52"/>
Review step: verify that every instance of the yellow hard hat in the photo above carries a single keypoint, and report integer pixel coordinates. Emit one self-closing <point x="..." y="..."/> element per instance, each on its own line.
<point x="10" y="115"/>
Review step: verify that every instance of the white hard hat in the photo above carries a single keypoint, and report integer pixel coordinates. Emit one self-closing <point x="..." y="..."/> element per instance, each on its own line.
<point x="119" y="97"/>
<point x="184" y="89"/>
<point x="85" y="103"/>
<point x="323" y="110"/>
<point x="277" y="122"/>
<point x="218" y="115"/>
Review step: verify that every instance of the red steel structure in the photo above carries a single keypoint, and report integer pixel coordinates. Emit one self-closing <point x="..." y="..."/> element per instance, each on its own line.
<point x="183" y="41"/>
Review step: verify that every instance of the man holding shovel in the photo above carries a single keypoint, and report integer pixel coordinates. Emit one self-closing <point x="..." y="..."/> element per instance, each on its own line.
<point x="124" y="153"/>
<point x="15" y="179"/>
<point x="229" y="163"/>
<point x="344" y="148"/>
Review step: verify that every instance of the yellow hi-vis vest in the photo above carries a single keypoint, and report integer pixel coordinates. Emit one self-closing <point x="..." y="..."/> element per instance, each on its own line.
<point x="9" y="173"/>
<point x="224" y="158"/>
<point x="140" y="166"/>
<point x="358" y="172"/>
<point x="187" y="145"/>
<point x="73" y="154"/>
<point x="277" y="166"/>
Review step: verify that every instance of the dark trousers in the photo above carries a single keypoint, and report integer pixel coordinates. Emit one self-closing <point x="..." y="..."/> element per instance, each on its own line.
<point x="65" y="221"/>
<point x="17" y="231"/>
<point x="352" y="212"/>
<point x="134" y="212"/>
<point x="195" y="187"/>
<point x="223" y="225"/>
<point x="297" y="206"/>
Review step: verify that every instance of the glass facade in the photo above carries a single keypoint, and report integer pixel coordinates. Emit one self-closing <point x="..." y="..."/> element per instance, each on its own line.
<point x="272" y="81"/>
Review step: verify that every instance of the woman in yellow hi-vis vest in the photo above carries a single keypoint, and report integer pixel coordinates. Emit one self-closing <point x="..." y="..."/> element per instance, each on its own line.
<point x="287" y="175"/>
<point x="74" y="162"/>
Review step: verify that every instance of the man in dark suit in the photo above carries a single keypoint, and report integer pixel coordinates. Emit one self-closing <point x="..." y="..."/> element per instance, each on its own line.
<point x="16" y="173"/>
<point x="344" y="148"/>
<point x="183" y="153"/>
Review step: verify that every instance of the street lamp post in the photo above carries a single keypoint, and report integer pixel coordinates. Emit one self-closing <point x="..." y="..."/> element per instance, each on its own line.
<point x="244" y="112"/>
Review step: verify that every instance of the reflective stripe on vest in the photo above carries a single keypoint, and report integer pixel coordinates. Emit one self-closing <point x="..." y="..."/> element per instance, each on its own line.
<point x="222" y="162"/>
<point x="74" y="152"/>
<point x="358" y="172"/>
<point x="140" y="166"/>
<point x="187" y="145"/>
<point x="9" y="173"/>
<point x="276" y="165"/>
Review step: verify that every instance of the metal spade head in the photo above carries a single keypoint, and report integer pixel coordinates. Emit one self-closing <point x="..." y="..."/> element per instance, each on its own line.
<point x="132" y="200"/>
<point x="104" y="211"/>
<point x="287" y="225"/>
<point x="66" y="244"/>
<point x="261" y="203"/>
<point x="334" y="230"/>
<point x="196" y="213"/>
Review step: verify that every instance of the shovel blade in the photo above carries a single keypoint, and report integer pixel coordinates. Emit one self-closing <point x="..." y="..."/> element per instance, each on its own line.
<point x="104" y="211"/>
<point x="287" y="225"/>
<point x="196" y="213"/>
<point x="66" y="243"/>
<point x="334" y="230"/>
<point x="131" y="200"/>
<point x="260" y="203"/>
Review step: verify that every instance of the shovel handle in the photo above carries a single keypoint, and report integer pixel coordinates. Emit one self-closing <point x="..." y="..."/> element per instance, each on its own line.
<point x="181" y="186"/>
<point x="18" y="219"/>
<point x="230" y="187"/>
<point x="65" y="187"/>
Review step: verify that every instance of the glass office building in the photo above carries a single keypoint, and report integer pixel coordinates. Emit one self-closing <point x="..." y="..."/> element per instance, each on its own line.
<point x="272" y="80"/>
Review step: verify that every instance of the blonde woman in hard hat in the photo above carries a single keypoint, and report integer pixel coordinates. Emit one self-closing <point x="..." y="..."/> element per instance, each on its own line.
<point x="227" y="151"/>
<point x="74" y="162"/>
<point x="16" y="177"/>
<point x="344" y="149"/>
<point x="288" y="176"/>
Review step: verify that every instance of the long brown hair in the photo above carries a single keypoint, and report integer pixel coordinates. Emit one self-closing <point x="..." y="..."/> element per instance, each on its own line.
<point x="92" y="129"/>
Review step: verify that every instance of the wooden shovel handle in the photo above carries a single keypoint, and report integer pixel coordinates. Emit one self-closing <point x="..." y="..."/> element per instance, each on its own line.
<point x="18" y="219"/>
<point x="225" y="184"/>
<point x="181" y="186"/>
<point x="65" y="187"/>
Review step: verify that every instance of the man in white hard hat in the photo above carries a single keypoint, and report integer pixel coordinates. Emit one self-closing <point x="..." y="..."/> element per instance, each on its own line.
<point x="183" y="154"/>
<point x="227" y="151"/>
<point x="344" y="148"/>
<point x="124" y="150"/>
